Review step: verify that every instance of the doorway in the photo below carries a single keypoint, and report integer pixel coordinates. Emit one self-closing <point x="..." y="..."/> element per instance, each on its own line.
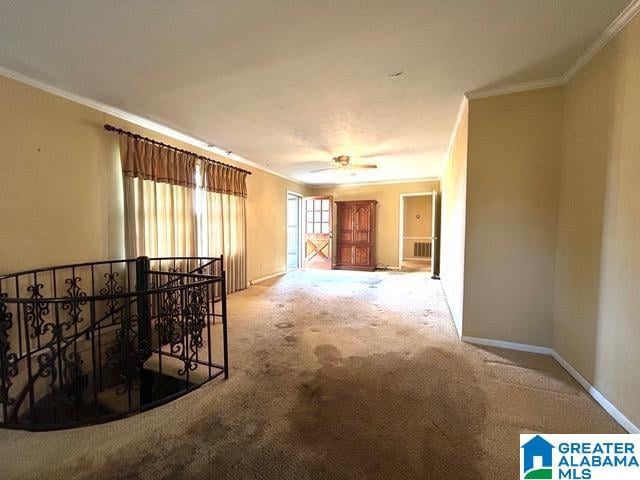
<point x="317" y="212"/>
<point x="294" y="232"/>
<point x="416" y="233"/>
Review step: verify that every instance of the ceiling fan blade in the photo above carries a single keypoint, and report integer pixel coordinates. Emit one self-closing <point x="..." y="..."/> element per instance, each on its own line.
<point x="389" y="153"/>
<point x="363" y="165"/>
<point x="322" y="170"/>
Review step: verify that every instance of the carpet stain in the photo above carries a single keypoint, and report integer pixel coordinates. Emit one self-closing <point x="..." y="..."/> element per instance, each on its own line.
<point x="365" y="419"/>
<point x="282" y="325"/>
<point x="328" y="355"/>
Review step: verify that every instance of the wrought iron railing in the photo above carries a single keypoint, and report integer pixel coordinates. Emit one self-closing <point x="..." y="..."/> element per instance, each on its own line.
<point x="92" y="342"/>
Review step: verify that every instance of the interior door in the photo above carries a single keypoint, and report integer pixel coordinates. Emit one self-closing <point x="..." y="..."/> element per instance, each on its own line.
<point x="434" y="233"/>
<point x="317" y="232"/>
<point x="293" y="231"/>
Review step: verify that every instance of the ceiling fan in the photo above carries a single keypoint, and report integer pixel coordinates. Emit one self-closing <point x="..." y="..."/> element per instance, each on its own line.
<point x="342" y="162"/>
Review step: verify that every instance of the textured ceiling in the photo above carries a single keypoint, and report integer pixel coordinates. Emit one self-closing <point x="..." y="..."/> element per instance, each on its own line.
<point x="290" y="84"/>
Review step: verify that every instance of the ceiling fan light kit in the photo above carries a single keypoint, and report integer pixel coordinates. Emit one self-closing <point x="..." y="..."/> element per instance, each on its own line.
<point x="342" y="160"/>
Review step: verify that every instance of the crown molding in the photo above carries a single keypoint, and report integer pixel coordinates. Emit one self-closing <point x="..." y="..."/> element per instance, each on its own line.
<point x="382" y="182"/>
<point x="605" y="37"/>
<point x="462" y="109"/>
<point x="140" y="121"/>
<point x="517" y="87"/>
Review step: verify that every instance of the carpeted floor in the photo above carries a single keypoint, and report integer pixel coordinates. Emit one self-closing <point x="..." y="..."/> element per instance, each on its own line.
<point x="413" y="265"/>
<point x="335" y="375"/>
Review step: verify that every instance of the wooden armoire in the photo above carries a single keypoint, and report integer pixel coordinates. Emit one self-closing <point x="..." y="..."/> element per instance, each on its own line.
<point x="356" y="239"/>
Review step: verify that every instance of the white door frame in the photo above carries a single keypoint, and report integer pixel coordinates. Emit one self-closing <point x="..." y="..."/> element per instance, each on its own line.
<point x="286" y="229"/>
<point x="401" y="224"/>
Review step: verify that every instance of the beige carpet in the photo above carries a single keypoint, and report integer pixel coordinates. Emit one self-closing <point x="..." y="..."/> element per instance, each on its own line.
<point x="335" y="375"/>
<point x="413" y="265"/>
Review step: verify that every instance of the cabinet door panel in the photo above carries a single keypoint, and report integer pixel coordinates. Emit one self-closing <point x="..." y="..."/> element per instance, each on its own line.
<point x="345" y="237"/>
<point x="346" y="217"/>
<point x="361" y="256"/>
<point x="362" y="224"/>
<point x="362" y="217"/>
<point x="361" y="236"/>
<point x="345" y="255"/>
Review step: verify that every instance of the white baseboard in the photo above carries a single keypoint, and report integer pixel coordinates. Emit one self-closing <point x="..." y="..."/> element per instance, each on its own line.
<point x="597" y="396"/>
<point x="455" y="324"/>
<point x="609" y="407"/>
<point x="262" y="279"/>
<point x="453" y="316"/>
<point x="523" y="347"/>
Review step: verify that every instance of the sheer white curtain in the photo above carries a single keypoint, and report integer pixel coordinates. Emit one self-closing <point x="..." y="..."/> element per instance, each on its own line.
<point x="222" y="231"/>
<point x="160" y="219"/>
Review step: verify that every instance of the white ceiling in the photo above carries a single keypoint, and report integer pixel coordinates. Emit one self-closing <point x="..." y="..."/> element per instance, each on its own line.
<point x="289" y="84"/>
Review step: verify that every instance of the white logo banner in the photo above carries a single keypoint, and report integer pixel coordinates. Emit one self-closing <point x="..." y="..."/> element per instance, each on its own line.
<point x="580" y="457"/>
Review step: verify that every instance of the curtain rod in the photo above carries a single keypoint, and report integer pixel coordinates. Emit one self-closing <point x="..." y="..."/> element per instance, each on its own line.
<point x="119" y="131"/>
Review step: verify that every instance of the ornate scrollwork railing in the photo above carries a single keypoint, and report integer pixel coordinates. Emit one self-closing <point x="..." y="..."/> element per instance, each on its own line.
<point x="91" y="342"/>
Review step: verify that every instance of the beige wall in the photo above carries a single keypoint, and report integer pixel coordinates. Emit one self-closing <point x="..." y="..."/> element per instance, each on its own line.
<point x="597" y="294"/>
<point x="511" y="220"/>
<point x="453" y="221"/>
<point x="388" y="213"/>
<point x="62" y="191"/>
<point x="59" y="182"/>
<point x="267" y="223"/>
<point x="415" y="207"/>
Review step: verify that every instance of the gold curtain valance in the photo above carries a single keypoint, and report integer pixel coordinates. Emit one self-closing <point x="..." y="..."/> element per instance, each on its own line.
<point x="222" y="179"/>
<point x="142" y="159"/>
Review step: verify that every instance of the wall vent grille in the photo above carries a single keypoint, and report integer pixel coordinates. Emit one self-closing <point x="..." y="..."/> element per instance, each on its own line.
<point x="422" y="249"/>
